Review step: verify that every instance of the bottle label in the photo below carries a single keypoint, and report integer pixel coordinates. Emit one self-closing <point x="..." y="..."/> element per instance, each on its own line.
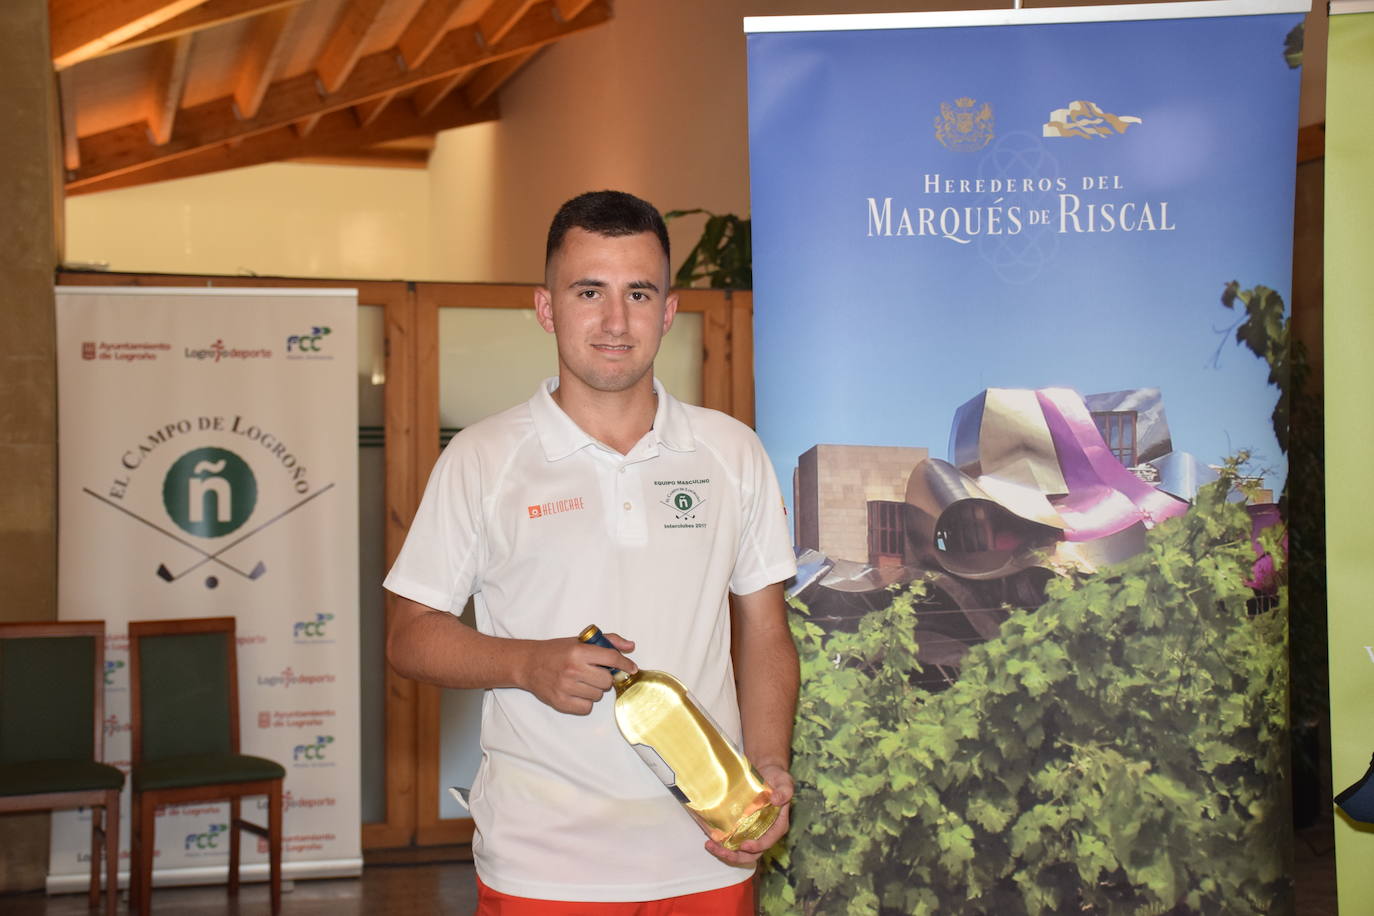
<point x="661" y="769"/>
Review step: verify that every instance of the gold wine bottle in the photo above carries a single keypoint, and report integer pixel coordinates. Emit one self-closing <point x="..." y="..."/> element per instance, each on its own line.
<point x="688" y="752"/>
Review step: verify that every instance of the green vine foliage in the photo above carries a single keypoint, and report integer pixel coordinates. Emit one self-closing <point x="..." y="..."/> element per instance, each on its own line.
<point x="724" y="255"/>
<point x="1115" y="751"/>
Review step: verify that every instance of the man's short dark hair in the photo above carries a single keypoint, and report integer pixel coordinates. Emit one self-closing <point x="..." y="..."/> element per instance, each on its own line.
<point x="609" y="213"/>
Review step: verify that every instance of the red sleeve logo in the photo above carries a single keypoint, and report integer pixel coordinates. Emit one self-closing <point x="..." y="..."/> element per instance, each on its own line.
<point x="535" y="512"/>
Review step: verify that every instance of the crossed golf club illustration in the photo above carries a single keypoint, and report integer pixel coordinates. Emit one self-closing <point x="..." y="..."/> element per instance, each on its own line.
<point x="207" y="557"/>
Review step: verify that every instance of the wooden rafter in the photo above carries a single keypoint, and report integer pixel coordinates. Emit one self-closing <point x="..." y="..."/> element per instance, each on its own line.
<point x="428" y="96"/>
<point x="338" y="134"/>
<point x="424" y="31"/>
<point x="169" y="82"/>
<point x="201" y="127"/>
<point x="345" y="44"/>
<point x="82" y="29"/>
<point x="66" y="99"/>
<point x="571" y="9"/>
<point x="209" y="14"/>
<point x="261" y="59"/>
<point x="490" y="78"/>
<point x="373" y="157"/>
<point x="501" y="17"/>
<point x="305" y="125"/>
<point x="372" y="109"/>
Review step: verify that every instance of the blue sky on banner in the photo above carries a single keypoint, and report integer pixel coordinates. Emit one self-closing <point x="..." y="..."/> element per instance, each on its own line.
<point x="906" y="320"/>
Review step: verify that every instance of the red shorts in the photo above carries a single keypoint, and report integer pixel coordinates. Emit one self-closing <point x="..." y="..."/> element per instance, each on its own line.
<point x="736" y="900"/>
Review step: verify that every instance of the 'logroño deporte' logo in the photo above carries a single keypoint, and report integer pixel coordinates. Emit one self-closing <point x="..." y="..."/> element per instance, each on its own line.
<point x="209" y="492"/>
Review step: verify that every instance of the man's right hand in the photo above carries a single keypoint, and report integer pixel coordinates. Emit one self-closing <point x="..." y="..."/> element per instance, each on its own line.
<point x="436" y="647"/>
<point x="570" y="675"/>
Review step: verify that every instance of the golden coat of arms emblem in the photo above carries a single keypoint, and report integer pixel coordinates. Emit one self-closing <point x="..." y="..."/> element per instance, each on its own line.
<point x="964" y="126"/>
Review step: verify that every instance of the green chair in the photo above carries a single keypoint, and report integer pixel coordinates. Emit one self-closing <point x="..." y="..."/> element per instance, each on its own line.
<point x="52" y="705"/>
<point x="185" y="711"/>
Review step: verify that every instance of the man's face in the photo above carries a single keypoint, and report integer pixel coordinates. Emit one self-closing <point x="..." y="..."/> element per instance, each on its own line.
<point x="608" y="304"/>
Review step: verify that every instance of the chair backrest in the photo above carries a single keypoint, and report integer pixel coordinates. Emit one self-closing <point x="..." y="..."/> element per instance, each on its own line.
<point x="52" y="691"/>
<point x="184" y="688"/>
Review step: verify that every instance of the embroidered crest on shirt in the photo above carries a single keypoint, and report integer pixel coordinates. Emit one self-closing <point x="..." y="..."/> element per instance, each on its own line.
<point x="684" y="498"/>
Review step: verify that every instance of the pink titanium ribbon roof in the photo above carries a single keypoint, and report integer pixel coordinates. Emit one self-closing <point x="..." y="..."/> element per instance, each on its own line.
<point x="1103" y="496"/>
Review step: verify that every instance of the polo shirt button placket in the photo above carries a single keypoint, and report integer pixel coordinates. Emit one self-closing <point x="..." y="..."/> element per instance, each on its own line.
<point x="631" y="525"/>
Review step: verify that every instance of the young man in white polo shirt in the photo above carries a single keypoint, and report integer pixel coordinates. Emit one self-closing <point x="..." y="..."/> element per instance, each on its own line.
<point x="602" y="500"/>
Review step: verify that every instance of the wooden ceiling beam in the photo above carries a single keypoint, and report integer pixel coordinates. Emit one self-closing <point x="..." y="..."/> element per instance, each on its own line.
<point x="66" y="100"/>
<point x="82" y="29"/>
<point x="304" y="126"/>
<point x="501" y="17"/>
<point x="212" y="123"/>
<point x="169" y="82"/>
<point x="374" y="158"/>
<point x="571" y="9"/>
<point x="337" y="135"/>
<point x="432" y="93"/>
<point x="425" y="30"/>
<point x="206" y="16"/>
<point x="369" y="111"/>
<point x="261" y="60"/>
<point x="492" y="77"/>
<point x="345" y="44"/>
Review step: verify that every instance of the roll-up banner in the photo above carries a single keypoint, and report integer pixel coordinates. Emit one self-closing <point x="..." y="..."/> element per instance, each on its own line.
<point x="1020" y="285"/>
<point x="208" y="468"/>
<point x="1349" y="324"/>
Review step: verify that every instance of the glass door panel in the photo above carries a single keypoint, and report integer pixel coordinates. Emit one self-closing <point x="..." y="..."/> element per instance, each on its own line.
<point x="372" y="558"/>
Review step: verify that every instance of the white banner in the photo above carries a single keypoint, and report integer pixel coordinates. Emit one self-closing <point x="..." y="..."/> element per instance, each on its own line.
<point x="259" y="388"/>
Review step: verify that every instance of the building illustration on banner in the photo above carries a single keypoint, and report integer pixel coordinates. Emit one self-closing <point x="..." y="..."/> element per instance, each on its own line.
<point x="1039" y="483"/>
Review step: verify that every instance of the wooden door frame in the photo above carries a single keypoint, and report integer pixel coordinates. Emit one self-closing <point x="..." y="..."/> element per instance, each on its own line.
<point x="411" y="430"/>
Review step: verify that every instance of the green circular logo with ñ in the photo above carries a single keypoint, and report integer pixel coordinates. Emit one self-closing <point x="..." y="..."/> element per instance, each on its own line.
<point x="683" y="501"/>
<point x="209" y="492"/>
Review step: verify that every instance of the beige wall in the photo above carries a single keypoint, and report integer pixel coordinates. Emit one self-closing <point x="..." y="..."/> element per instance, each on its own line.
<point x="272" y="220"/>
<point x="653" y="103"/>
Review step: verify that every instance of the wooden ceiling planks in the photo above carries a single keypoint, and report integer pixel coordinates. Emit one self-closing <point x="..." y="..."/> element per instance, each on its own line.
<point x="184" y="87"/>
<point x="82" y="29"/>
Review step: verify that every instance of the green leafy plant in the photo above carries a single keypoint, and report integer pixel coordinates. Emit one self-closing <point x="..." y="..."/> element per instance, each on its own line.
<point x="723" y="256"/>
<point x="1299" y="425"/>
<point x="1114" y="751"/>
<point x="1292" y="47"/>
<point x="1264" y="329"/>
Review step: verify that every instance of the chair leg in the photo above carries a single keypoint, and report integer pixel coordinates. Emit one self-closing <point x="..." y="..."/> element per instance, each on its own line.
<point x="235" y="841"/>
<point x="274" y="813"/>
<point x="112" y="852"/>
<point x="147" y="846"/>
<point x="94" y="894"/>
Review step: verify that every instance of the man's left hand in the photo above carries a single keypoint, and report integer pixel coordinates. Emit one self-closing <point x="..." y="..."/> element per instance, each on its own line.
<point x="750" y="851"/>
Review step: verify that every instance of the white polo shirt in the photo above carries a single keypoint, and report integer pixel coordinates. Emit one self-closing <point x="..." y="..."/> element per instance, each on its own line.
<point x="550" y="530"/>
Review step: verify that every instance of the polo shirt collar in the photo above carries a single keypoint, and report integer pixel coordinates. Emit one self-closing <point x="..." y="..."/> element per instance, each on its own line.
<point x="560" y="436"/>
